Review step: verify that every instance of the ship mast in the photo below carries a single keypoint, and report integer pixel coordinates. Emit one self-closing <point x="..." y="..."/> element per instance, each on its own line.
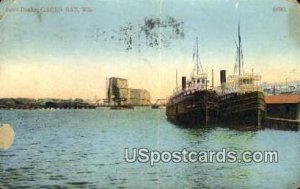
<point x="198" y="65"/>
<point x="239" y="49"/>
<point x="240" y="53"/>
<point x="176" y="81"/>
<point x="198" y="59"/>
<point x="197" y="56"/>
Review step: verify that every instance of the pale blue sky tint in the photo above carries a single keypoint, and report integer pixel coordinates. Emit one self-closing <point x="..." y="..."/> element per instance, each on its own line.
<point x="70" y="54"/>
<point x="264" y="31"/>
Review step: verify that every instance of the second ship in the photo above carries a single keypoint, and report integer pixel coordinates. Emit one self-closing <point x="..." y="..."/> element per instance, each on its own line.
<point x="241" y="102"/>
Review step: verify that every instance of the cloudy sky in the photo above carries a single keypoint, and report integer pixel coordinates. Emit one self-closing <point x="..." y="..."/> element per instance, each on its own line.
<point x="67" y="49"/>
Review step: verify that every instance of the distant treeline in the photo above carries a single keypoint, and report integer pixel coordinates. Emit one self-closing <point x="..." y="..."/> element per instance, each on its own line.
<point x="29" y="103"/>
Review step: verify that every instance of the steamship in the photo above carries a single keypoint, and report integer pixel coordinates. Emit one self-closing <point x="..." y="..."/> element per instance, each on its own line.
<point x="241" y="103"/>
<point x="194" y="103"/>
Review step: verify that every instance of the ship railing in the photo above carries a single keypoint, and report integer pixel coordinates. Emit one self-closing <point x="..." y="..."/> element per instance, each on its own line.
<point x="235" y="88"/>
<point x="178" y="90"/>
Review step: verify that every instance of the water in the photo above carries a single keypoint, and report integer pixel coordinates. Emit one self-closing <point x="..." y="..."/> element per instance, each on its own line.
<point x="85" y="149"/>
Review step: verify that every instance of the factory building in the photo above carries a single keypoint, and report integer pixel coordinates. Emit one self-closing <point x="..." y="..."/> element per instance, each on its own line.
<point x="118" y="93"/>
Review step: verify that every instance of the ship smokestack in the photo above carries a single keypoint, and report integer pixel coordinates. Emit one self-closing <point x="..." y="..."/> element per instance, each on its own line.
<point x="223" y="80"/>
<point x="223" y="76"/>
<point x="183" y="83"/>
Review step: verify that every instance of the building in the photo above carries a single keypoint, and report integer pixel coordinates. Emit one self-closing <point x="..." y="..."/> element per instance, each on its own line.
<point x="117" y="91"/>
<point x="118" y="94"/>
<point x="281" y="88"/>
<point x="138" y="97"/>
<point x="285" y="106"/>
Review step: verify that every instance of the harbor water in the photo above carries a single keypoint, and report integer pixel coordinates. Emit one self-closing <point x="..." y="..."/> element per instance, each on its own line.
<point x="85" y="149"/>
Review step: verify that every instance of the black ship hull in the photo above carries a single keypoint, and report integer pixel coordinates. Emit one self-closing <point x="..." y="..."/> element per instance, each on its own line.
<point x="195" y="109"/>
<point x="239" y="110"/>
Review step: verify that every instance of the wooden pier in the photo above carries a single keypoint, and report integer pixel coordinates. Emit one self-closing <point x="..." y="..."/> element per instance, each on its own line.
<point x="281" y="124"/>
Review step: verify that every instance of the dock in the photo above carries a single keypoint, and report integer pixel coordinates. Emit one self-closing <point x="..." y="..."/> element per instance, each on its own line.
<point x="282" y="112"/>
<point x="28" y="103"/>
<point x="282" y="124"/>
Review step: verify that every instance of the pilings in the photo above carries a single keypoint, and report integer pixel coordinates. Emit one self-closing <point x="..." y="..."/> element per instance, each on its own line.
<point x="281" y="124"/>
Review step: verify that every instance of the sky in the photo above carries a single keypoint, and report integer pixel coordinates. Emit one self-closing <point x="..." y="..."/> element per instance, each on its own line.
<point x="59" y="53"/>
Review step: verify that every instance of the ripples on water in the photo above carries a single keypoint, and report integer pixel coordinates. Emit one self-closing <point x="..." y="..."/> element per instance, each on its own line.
<point x="85" y="149"/>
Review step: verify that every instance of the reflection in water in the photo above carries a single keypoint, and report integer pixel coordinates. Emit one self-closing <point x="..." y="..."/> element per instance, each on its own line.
<point x="85" y="149"/>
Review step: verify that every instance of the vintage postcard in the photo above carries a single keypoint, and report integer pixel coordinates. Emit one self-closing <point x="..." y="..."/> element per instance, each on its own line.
<point x="149" y="94"/>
